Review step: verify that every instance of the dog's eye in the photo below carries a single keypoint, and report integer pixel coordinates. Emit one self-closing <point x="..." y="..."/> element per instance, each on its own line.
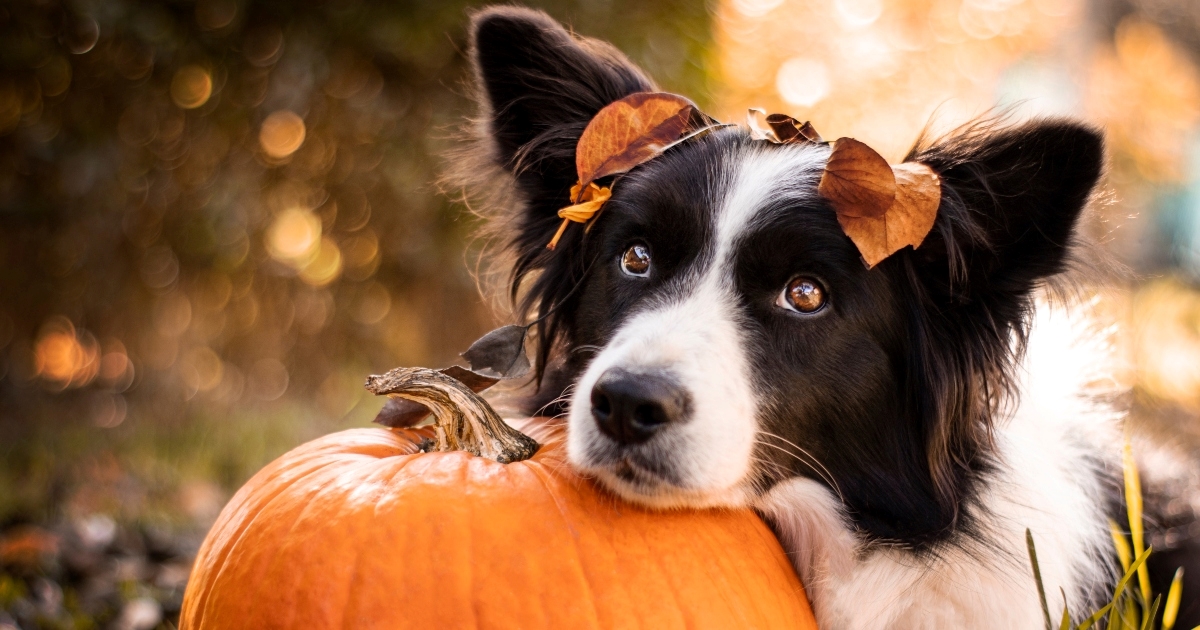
<point x="636" y="260"/>
<point x="803" y="295"/>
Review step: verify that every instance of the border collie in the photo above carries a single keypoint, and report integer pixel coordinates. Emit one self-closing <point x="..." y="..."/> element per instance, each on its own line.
<point x="714" y="339"/>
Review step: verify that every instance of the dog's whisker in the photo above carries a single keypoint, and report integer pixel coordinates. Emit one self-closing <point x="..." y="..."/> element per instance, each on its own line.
<point x="821" y="472"/>
<point x="800" y="449"/>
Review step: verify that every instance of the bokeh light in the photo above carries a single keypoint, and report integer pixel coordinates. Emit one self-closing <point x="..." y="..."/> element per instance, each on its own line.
<point x="191" y="87"/>
<point x="64" y="356"/>
<point x="282" y="134"/>
<point x="294" y="237"/>
<point x="802" y="81"/>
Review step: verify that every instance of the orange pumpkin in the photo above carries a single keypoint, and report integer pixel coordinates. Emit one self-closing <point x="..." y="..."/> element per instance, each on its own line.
<point x="360" y="529"/>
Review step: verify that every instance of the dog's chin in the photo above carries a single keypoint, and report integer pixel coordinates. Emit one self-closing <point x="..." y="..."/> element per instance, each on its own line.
<point x="637" y="483"/>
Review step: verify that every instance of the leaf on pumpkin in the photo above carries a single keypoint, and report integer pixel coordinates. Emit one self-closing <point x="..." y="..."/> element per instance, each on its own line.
<point x="629" y="132"/>
<point x="780" y="128"/>
<point x="857" y="181"/>
<point x="474" y="380"/>
<point x="399" y="413"/>
<point x="500" y="353"/>
<point x="908" y="220"/>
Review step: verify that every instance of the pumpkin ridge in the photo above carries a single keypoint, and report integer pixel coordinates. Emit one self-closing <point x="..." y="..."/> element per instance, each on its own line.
<point x="314" y="499"/>
<point x="279" y="554"/>
<point x="540" y="473"/>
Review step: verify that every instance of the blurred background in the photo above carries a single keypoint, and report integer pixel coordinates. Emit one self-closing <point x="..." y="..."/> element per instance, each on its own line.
<point x="218" y="216"/>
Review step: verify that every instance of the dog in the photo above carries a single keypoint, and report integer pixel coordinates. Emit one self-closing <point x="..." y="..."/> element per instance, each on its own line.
<point x="714" y="339"/>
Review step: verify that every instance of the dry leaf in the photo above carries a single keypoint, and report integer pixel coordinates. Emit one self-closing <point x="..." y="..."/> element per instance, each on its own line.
<point x="501" y="352"/>
<point x="589" y="201"/>
<point x="630" y="132"/>
<point x="756" y="119"/>
<point x="906" y="222"/>
<point x="788" y="129"/>
<point x="857" y="181"/>
<point x="780" y="128"/>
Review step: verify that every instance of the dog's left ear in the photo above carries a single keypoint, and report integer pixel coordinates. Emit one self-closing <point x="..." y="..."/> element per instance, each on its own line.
<point x="1011" y="200"/>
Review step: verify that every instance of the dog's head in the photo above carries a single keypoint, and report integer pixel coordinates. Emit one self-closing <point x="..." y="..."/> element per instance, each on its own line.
<point x="721" y="330"/>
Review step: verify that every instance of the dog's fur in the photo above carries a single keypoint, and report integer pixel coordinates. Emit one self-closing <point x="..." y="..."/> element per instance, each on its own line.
<point x="901" y="439"/>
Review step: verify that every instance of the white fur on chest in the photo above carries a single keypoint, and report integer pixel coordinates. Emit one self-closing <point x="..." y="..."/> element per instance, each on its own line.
<point x="1049" y="480"/>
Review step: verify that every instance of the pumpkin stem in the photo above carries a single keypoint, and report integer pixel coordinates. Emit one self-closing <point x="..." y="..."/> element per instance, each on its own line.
<point x="464" y="420"/>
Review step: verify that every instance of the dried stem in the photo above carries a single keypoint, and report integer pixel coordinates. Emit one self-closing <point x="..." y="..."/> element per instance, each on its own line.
<point x="464" y="420"/>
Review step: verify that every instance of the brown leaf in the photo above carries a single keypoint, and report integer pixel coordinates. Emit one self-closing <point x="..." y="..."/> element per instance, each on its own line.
<point x="857" y="181"/>
<point x="630" y="132"/>
<point x="474" y="380"/>
<point x="907" y="222"/>
<point x="780" y="128"/>
<point x="788" y="129"/>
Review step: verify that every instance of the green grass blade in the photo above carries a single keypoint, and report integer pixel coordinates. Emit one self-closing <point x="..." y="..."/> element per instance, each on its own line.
<point x="1121" y="544"/>
<point x="1133" y="501"/>
<point x="1037" y="577"/>
<point x="1133" y="568"/>
<point x="1171" y="609"/>
<point x="1066" y="618"/>
<point x="1153" y="612"/>
<point x="1096" y="616"/>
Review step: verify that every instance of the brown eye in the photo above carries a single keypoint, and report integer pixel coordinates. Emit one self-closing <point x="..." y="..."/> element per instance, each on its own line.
<point x="803" y="295"/>
<point x="636" y="260"/>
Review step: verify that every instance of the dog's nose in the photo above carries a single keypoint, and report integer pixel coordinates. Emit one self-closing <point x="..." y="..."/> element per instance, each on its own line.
<point x="630" y="407"/>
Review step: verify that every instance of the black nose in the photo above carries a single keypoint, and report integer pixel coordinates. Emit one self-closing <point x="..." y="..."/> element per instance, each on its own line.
<point x="630" y="407"/>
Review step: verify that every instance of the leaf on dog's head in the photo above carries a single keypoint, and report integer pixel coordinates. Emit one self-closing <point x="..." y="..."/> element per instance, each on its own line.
<point x="857" y="181"/>
<point x="399" y="413"/>
<point x="501" y="353"/>
<point x="788" y="129"/>
<point x="629" y="132"/>
<point x="780" y="128"/>
<point x="908" y="220"/>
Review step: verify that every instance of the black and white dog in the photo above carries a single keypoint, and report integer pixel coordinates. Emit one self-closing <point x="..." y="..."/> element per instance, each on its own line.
<point x="715" y="340"/>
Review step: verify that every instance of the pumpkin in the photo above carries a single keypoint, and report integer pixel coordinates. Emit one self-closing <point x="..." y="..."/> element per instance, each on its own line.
<point x="362" y="529"/>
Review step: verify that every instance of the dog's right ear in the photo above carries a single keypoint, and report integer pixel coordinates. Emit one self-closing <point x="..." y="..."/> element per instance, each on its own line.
<point x="540" y="86"/>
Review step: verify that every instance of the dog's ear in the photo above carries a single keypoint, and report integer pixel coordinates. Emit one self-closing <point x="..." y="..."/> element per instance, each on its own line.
<point x="1011" y="200"/>
<point x="540" y="86"/>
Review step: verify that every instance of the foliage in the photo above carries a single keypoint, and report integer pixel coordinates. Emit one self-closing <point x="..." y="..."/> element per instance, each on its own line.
<point x="1131" y="607"/>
